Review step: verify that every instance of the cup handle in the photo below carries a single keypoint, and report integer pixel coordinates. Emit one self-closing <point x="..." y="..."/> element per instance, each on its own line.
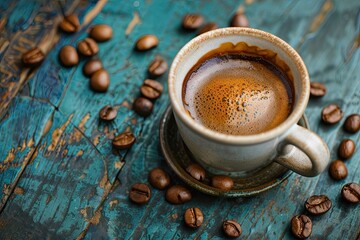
<point x="309" y="157"/>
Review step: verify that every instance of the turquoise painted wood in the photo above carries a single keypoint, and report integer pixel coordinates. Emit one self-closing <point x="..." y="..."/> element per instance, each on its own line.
<point x="60" y="177"/>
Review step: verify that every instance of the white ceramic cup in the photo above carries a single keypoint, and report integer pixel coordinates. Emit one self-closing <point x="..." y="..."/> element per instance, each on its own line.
<point x="240" y="155"/>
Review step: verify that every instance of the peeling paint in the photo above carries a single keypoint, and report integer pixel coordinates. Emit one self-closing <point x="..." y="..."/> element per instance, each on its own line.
<point x="95" y="11"/>
<point x="77" y="133"/>
<point x="113" y="203"/>
<point x="19" y="191"/>
<point x="118" y="164"/>
<point x="320" y="17"/>
<point x="134" y="21"/>
<point x="55" y="137"/>
<point x="96" y="140"/>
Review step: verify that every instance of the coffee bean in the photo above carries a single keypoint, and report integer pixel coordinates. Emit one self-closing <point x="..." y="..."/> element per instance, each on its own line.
<point x="239" y="20"/>
<point x="338" y="170"/>
<point x="33" y="57"/>
<point x="143" y="106"/>
<point x="101" y="32"/>
<point x="140" y="193"/>
<point x="351" y="192"/>
<point x="317" y="89"/>
<point x="178" y="194"/>
<point x="196" y="171"/>
<point x="92" y="66"/>
<point x="193" y="217"/>
<point x="108" y="113"/>
<point x="208" y="27"/>
<point x="151" y="89"/>
<point x="301" y="226"/>
<point x="124" y="140"/>
<point x="231" y="228"/>
<point x="157" y="67"/>
<point x="159" y="179"/>
<point x="332" y="114"/>
<point x="88" y="47"/>
<point x="100" y="81"/>
<point x="70" y="24"/>
<point x="192" y="21"/>
<point x="222" y="182"/>
<point x="318" y="204"/>
<point x="146" y="42"/>
<point x="346" y="149"/>
<point x="352" y="123"/>
<point x="68" y="56"/>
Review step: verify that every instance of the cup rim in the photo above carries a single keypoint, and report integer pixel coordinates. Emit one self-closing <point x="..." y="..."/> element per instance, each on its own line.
<point x="295" y="115"/>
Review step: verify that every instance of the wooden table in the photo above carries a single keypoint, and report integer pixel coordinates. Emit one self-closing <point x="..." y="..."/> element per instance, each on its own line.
<point x="60" y="177"/>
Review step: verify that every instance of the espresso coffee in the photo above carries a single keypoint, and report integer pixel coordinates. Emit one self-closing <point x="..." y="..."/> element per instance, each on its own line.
<point x="237" y="94"/>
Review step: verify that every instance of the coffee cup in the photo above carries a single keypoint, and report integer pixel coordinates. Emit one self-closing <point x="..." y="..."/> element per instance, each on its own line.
<point x="239" y="155"/>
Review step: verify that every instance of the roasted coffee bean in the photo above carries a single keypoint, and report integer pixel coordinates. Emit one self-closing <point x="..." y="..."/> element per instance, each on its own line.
<point x="222" y="182"/>
<point x="68" y="56"/>
<point x="208" y="27"/>
<point x="159" y="179"/>
<point x="317" y="89"/>
<point x="140" y="193"/>
<point x="146" y="42"/>
<point x="332" y="114"/>
<point x="239" y="20"/>
<point x="196" y="171"/>
<point x="101" y="32"/>
<point x="193" y="217"/>
<point x="318" y="204"/>
<point x="178" y="194"/>
<point x="124" y="140"/>
<point x="157" y="67"/>
<point x="301" y="226"/>
<point x="231" y="228"/>
<point x="100" y="81"/>
<point x="151" y="89"/>
<point x="346" y="149"/>
<point x="143" y="106"/>
<point x="192" y="21"/>
<point x="352" y="123"/>
<point x="108" y="113"/>
<point x="88" y="47"/>
<point x="351" y="192"/>
<point x="33" y="58"/>
<point x="92" y="66"/>
<point x="338" y="170"/>
<point x="70" y="24"/>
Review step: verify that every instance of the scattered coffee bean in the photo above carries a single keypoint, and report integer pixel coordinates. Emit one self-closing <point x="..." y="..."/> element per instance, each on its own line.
<point x="33" y="58"/>
<point x="301" y="226"/>
<point x="338" y="170"/>
<point x="108" y="113"/>
<point x="193" y="217"/>
<point x="146" y="42"/>
<point x="68" y="56"/>
<point x="317" y="89"/>
<point x="239" y="20"/>
<point x="332" y="114"/>
<point x="124" y="140"/>
<point x="101" y="32"/>
<point x="192" y="21"/>
<point x="100" y="81"/>
<point x="346" y="149"/>
<point x="159" y="179"/>
<point x="222" y="182"/>
<point x="88" y="47"/>
<point x="157" y="67"/>
<point x="151" y="89"/>
<point x="231" y="228"/>
<point x="92" y="66"/>
<point x="352" y="123"/>
<point x="208" y="27"/>
<point x="178" y="194"/>
<point x="143" y="106"/>
<point x="70" y="24"/>
<point x="351" y="192"/>
<point x="318" y="204"/>
<point x="140" y="193"/>
<point x="196" y="171"/>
